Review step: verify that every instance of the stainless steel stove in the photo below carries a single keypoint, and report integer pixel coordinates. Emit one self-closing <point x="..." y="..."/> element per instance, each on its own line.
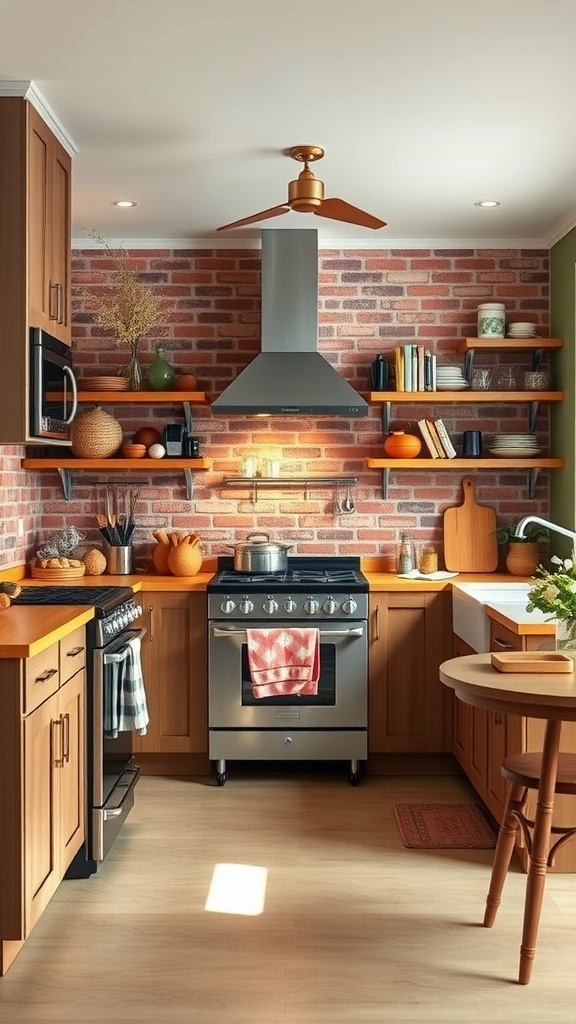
<point x="324" y="594"/>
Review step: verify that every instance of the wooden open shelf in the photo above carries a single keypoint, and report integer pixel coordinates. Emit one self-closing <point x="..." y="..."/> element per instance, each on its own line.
<point x="468" y="396"/>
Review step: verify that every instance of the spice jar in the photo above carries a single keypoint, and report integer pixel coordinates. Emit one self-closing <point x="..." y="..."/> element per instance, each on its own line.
<point x="406" y="560"/>
<point x="427" y="559"/>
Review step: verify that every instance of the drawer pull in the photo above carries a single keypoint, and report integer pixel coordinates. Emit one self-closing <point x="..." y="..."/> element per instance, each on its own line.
<point x="503" y="646"/>
<point x="74" y="652"/>
<point x="46" y="675"/>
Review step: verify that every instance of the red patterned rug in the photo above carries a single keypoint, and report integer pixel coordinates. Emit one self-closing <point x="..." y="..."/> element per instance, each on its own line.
<point x="443" y="827"/>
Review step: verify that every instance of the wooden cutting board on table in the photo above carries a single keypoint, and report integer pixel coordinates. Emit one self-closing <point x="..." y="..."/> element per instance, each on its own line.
<point x="470" y="543"/>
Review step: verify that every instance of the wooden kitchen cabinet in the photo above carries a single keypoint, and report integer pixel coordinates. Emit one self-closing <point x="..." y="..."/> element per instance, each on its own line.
<point x="42" y="782"/>
<point x="35" y="249"/>
<point x="409" y="637"/>
<point x="174" y="666"/>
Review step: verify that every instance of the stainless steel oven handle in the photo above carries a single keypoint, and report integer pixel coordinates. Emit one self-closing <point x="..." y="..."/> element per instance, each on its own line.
<point x="122" y="654"/>
<point x="357" y="631"/>
<point x="74" y="387"/>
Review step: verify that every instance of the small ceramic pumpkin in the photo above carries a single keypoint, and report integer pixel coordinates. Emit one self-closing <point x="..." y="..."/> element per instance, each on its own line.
<point x="399" y="445"/>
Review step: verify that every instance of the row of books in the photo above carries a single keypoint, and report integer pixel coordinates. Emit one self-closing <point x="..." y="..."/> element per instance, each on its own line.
<point x="415" y="368"/>
<point x="436" y="439"/>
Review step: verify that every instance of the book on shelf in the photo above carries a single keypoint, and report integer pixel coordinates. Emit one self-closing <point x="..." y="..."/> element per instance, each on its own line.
<point x="445" y="440"/>
<point x="428" y="441"/>
<point x="436" y="439"/>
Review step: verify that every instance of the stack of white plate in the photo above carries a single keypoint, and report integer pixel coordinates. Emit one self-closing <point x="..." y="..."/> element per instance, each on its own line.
<point x="515" y="446"/>
<point x="450" y="378"/>
<point x="521" y="330"/>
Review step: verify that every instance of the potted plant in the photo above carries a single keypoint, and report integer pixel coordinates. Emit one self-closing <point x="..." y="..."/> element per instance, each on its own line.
<point x="523" y="553"/>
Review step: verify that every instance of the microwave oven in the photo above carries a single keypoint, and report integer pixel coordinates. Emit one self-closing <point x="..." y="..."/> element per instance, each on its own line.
<point x="53" y="393"/>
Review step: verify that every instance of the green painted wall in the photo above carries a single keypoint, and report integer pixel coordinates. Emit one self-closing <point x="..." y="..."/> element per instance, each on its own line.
<point x="563" y="321"/>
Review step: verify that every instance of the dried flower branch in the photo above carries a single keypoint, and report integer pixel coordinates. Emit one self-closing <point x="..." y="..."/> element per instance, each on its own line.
<point x="129" y="308"/>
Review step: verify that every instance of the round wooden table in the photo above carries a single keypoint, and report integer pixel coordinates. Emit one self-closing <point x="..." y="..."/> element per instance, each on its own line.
<point x="547" y="695"/>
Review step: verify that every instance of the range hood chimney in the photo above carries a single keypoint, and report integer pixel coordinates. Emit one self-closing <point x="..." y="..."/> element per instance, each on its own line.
<point x="289" y="376"/>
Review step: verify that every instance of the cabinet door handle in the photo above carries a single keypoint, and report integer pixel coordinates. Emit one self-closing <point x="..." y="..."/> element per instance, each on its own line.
<point x="497" y="718"/>
<point x="500" y="643"/>
<point x="151" y="622"/>
<point x="66" y="737"/>
<point x="58" y="761"/>
<point x="74" y="652"/>
<point x="46" y="675"/>
<point x="53" y="292"/>
<point x="376" y="635"/>
<point x="60" y="304"/>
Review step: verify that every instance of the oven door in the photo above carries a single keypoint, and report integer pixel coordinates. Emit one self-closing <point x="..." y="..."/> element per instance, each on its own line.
<point x="341" y="701"/>
<point x="114" y="773"/>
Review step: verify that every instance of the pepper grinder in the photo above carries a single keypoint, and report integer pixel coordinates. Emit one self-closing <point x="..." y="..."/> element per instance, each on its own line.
<point x="406" y="559"/>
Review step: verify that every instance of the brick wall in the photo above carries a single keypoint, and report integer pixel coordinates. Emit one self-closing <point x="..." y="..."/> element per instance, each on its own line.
<point x="370" y="301"/>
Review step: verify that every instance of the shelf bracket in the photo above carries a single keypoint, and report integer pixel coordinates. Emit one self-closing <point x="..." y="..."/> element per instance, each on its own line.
<point x="537" y="359"/>
<point x="532" y="478"/>
<point x="189" y="478"/>
<point x="532" y="414"/>
<point x="66" y="481"/>
<point x="469" y="364"/>
<point x="187" y="417"/>
<point x="386" y="412"/>
<point x="385" y="481"/>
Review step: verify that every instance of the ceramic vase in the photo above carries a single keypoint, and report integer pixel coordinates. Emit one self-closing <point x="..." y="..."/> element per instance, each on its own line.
<point x="160" y="373"/>
<point x="522" y="558"/>
<point x="399" y="445"/>
<point x="566" y="635"/>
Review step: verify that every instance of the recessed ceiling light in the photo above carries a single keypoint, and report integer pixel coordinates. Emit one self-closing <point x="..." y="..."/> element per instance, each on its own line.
<point x="487" y="204"/>
<point x="124" y="204"/>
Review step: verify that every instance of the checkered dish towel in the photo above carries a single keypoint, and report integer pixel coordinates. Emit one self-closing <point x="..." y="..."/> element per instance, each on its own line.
<point x="283" y="661"/>
<point x="125" y="708"/>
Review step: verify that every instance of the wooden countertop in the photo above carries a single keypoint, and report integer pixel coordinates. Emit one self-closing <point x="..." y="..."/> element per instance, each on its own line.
<point x="26" y="630"/>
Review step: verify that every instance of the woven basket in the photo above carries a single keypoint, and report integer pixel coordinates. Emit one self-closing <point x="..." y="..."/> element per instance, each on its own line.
<point x="72" y="572"/>
<point x="95" y="434"/>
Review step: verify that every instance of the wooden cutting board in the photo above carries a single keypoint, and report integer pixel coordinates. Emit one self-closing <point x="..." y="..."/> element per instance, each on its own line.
<point x="470" y="544"/>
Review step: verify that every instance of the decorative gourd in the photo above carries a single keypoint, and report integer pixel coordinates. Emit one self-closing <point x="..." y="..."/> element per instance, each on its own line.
<point x="95" y="434"/>
<point x="95" y="562"/>
<point x="185" y="555"/>
<point x="399" y="445"/>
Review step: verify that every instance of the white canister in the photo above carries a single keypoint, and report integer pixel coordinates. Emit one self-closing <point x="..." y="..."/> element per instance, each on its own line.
<point x="491" y="320"/>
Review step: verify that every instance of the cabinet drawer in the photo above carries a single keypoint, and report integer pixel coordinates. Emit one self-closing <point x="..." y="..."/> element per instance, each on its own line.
<point x="41" y="678"/>
<point x="72" y="654"/>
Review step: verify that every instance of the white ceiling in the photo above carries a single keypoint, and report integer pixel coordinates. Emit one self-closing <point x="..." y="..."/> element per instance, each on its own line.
<point x="423" y="108"/>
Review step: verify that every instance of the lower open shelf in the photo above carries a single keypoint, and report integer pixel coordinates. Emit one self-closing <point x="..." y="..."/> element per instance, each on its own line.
<point x="66" y="467"/>
<point x="532" y="466"/>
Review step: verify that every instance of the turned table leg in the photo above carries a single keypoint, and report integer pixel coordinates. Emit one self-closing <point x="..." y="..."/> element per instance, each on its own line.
<point x="540" y="847"/>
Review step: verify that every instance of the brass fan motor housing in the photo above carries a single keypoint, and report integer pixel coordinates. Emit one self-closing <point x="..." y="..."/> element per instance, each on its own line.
<point x="305" y="192"/>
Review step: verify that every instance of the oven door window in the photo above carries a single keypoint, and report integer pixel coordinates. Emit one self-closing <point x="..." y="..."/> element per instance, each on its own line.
<point x="326" y="696"/>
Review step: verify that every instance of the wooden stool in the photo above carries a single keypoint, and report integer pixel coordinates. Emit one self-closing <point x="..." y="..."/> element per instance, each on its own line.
<point x="523" y="772"/>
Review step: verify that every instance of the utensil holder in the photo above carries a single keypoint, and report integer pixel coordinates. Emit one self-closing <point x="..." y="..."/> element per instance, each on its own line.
<point x="120" y="560"/>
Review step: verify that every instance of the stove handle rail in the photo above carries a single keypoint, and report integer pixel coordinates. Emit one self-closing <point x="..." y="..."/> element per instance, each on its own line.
<point x="357" y="631"/>
<point x="119" y="651"/>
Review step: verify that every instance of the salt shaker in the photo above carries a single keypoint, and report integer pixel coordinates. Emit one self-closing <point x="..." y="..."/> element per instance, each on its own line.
<point x="405" y="554"/>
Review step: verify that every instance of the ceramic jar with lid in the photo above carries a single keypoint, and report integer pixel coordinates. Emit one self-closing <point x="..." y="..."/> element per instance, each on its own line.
<point x="491" y="320"/>
<point x="399" y="445"/>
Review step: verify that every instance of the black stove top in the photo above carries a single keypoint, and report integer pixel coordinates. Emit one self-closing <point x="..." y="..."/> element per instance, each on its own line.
<point x="104" y="598"/>
<point x="302" y="574"/>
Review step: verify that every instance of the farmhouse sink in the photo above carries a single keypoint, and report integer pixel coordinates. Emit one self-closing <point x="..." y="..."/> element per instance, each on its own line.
<point x="469" y="619"/>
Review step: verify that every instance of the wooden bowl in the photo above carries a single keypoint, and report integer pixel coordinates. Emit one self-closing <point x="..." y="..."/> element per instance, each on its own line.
<point x="133" y="451"/>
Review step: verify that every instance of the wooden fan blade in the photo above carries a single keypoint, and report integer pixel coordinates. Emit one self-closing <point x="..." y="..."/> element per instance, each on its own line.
<point x="275" y="211"/>
<point x="337" y="209"/>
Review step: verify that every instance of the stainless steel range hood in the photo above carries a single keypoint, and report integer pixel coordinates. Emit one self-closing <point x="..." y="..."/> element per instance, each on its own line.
<point x="289" y="376"/>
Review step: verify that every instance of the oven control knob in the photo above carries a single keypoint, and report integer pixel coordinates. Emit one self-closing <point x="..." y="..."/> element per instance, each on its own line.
<point x="329" y="606"/>
<point x="349" y="606"/>
<point x="270" y="605"/>
<point x="227" y="606"/>
<point x="246" y="606"/>
<point x="311" y="606"/>
<point x="290" y="605"/>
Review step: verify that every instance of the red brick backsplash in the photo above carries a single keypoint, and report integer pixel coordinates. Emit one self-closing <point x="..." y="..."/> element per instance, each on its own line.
<point x="369" y="302"/>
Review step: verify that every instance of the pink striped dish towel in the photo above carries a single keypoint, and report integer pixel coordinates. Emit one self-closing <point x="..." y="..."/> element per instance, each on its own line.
<point x="283" y="661"/>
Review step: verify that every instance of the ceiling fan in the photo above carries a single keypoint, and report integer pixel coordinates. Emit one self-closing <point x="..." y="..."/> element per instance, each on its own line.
<point x="306" y="195"/>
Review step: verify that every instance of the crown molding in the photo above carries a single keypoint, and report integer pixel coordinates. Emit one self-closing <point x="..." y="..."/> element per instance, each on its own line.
<point x="27" y="90"/>
<point x="379" y="244"/>
<point x="562" y="229"/>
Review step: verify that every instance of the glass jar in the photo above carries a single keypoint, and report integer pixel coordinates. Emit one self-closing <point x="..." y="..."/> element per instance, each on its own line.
<point x="406" y="558"/>
<point x="427" y="559"/>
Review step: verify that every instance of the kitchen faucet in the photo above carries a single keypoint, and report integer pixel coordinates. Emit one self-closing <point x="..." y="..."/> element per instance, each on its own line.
<point x="519" y="532"/>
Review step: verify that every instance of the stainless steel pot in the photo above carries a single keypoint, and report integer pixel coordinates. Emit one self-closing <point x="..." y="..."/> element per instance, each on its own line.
<point x="260" y="556"/>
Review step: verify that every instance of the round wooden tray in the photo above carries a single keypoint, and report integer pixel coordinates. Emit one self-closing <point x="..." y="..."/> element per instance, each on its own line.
<point x="72" y="572"/>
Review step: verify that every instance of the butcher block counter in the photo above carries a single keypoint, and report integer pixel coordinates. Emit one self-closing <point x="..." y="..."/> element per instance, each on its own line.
<point x="27" y="630"/>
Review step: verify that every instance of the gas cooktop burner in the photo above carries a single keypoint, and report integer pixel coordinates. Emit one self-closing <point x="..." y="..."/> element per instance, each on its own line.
<point x="305" y="574"/>
<point x="102" y="598"/>
<point x="292" y="576"/>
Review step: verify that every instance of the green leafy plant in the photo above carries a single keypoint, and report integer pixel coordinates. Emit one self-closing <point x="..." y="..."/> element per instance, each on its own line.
<point x="507" y="535"/>
<point x="555" y="592"/>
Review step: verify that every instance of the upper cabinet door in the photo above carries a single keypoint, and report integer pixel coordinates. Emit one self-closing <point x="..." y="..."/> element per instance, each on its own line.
<point x="49" y="211"/>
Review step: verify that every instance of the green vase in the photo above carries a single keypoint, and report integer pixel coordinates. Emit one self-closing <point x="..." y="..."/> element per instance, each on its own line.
<point x="160" y="374"/>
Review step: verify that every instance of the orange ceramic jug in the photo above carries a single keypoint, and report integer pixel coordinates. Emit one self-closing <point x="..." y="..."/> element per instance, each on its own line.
<point x="399" y="445"/>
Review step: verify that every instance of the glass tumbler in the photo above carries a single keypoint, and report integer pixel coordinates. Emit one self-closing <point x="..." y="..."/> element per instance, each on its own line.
<point x="506" y="379"/>
<point x="481" y="379"/>
<point x="536" y="380"/>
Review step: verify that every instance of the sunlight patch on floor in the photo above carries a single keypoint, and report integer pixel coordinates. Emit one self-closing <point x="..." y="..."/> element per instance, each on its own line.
<point x="237" y="889"/>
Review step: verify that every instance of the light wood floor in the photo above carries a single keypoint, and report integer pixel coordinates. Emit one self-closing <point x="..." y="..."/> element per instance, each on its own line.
<point x="356" y="929"/>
